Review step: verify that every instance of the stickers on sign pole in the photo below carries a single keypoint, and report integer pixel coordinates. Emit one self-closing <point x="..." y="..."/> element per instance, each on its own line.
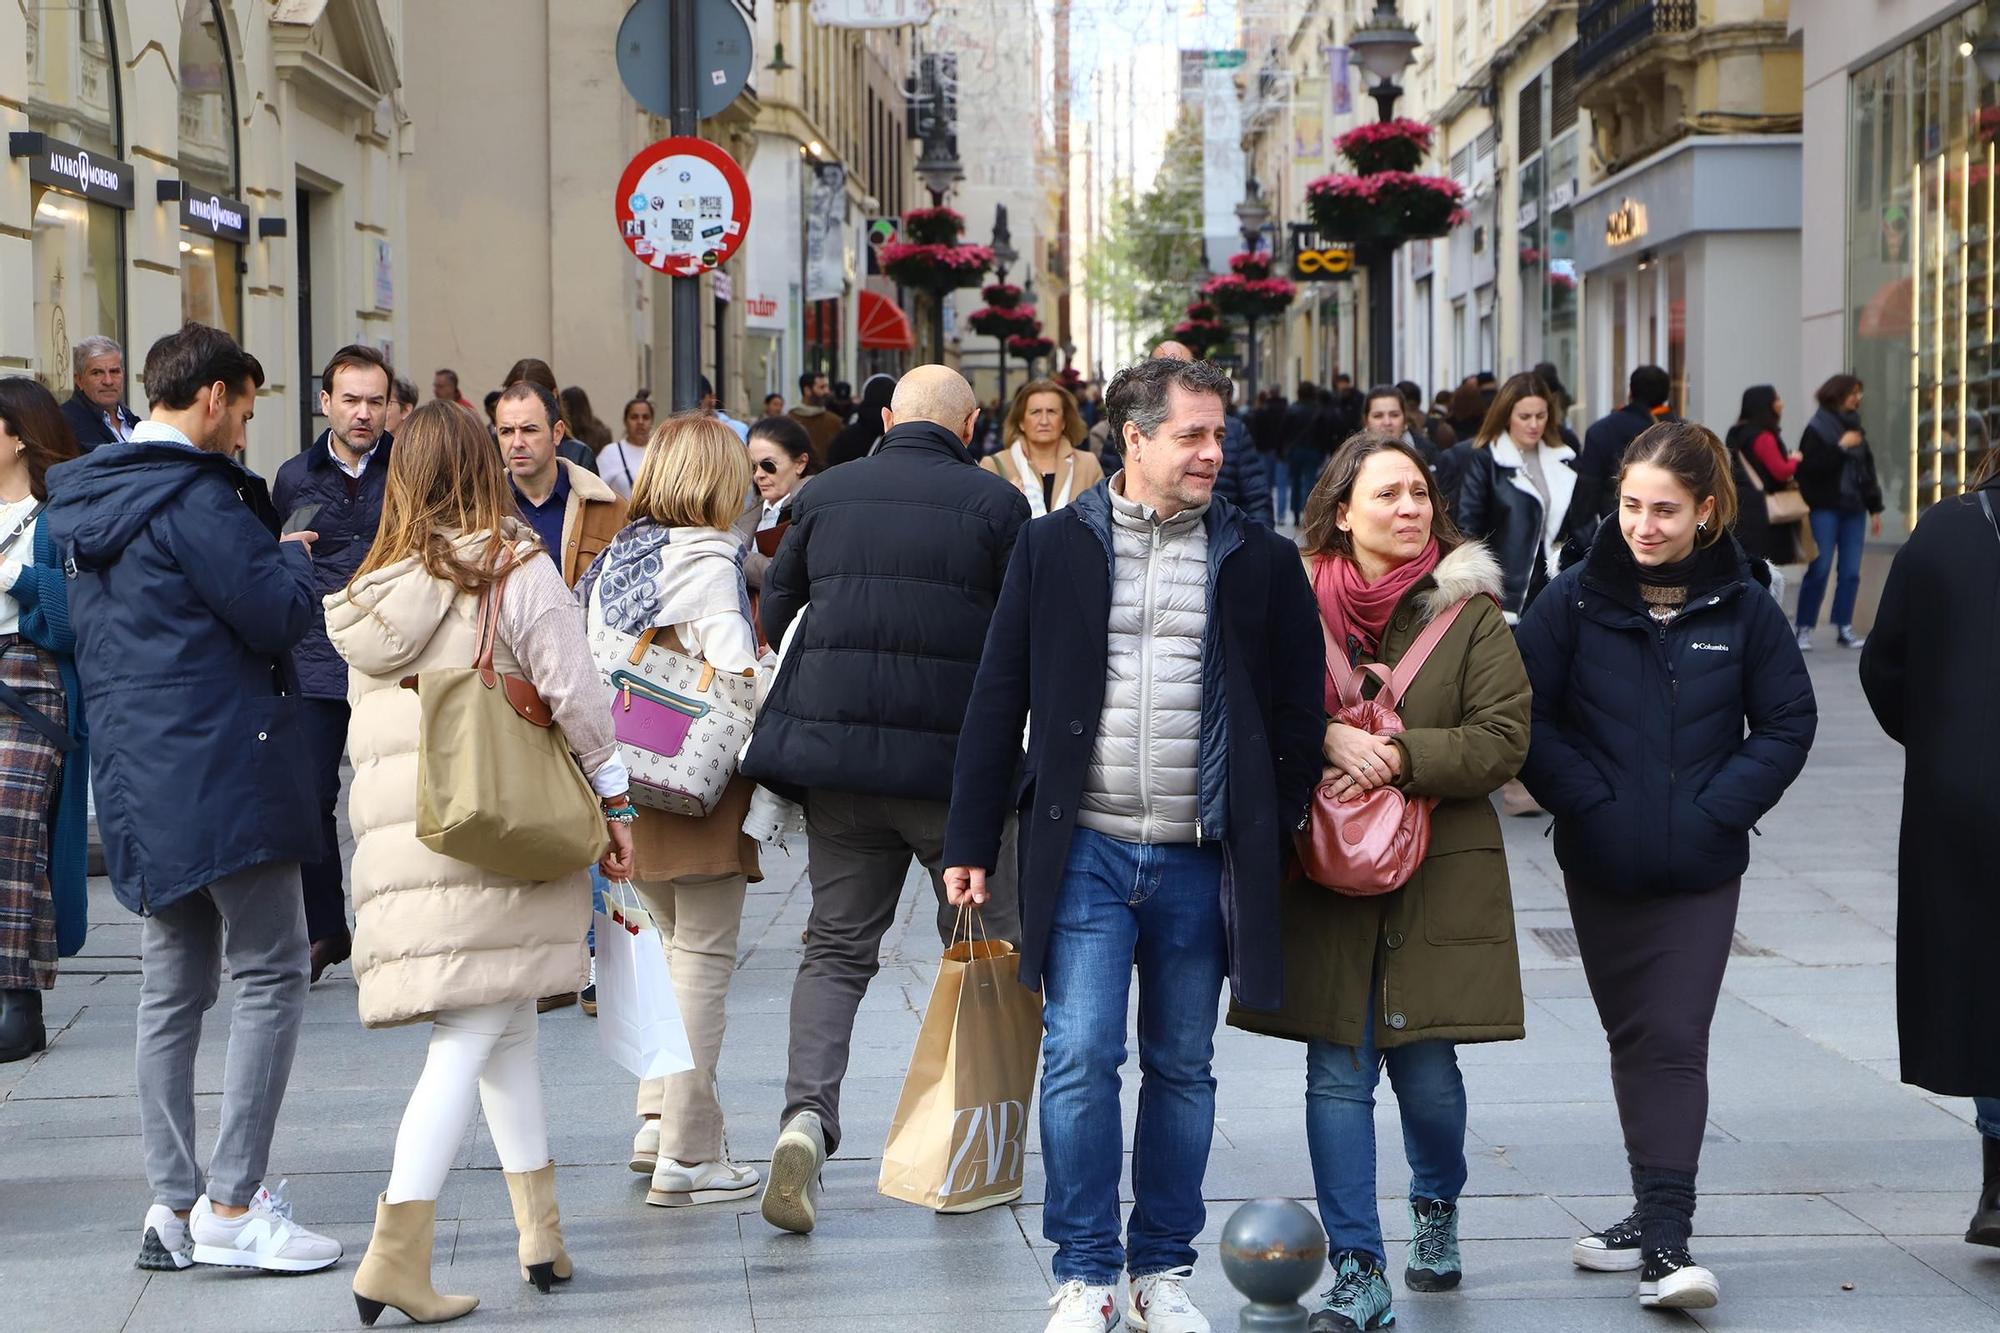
<point x="683" y="206"/>
<point x="723" y="50"/>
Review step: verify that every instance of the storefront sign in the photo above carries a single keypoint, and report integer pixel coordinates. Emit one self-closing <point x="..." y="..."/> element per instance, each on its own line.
<point x="100" y="178"/>
<point x="1626" y="224"/>
<point x="871" y="13"/>
<point x="683" y="206"/>
<point x="1561" y="195"/>
<point x="208" y="214"/>
<point x="1317" y="260"/>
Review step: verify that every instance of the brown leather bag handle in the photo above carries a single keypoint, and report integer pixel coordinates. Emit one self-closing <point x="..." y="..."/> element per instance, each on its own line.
<point x="489" y="619"/>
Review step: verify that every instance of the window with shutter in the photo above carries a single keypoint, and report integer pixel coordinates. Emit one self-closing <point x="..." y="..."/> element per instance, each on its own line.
<point x="1528" y="111"/>
<point x="1562" y="93"/>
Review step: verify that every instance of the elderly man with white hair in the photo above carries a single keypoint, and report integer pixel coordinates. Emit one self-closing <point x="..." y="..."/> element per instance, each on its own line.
<point x="97" y="411"/>
<point x="901" y="556"/>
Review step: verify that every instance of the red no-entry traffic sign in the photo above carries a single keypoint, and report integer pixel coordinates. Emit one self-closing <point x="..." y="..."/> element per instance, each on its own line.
<point x="683" y="206"/>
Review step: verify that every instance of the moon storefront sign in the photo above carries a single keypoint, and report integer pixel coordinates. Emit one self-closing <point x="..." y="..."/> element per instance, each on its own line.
<point x="683" y="206"/>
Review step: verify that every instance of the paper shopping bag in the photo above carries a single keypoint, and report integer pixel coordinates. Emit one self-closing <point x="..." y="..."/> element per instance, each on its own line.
<point x="638" y="1019"/>
<point x="959" y="1138"/>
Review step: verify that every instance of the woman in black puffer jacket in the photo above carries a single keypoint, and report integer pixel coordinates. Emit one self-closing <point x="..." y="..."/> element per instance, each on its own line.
<point x="1648" y="659"/>
<point x="1837" y="477"/>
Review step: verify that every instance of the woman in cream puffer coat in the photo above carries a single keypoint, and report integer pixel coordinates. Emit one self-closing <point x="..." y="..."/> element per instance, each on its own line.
<point x="435" y="938"/>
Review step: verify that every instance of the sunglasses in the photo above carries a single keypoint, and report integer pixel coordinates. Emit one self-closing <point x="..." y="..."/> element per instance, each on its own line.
<point x="768" y="466"/>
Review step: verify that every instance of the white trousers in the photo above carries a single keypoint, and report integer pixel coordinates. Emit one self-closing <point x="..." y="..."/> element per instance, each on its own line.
<point x="488" y="1051"/>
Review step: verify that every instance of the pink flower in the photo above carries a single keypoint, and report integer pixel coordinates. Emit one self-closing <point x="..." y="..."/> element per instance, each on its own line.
<point x="1413" y="131"/>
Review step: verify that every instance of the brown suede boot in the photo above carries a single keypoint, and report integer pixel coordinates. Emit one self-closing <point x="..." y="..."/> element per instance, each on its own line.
<point x="543" y="1259"/>
<point x="397" y="1268"/>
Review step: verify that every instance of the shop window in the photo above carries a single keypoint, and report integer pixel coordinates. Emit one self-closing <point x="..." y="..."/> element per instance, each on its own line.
<point x="1920" y="264"/>
<point x="78" y="243"/>
<point x="211" y="262"/>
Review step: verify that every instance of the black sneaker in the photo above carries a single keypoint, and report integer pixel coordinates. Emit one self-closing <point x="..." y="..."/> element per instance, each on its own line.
<point x="1612" y="1250"/>
<point x="1672" y="1280"/>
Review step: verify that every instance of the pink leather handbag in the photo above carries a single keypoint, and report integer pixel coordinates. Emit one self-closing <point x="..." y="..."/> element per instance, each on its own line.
<point x="1374" y="844"/>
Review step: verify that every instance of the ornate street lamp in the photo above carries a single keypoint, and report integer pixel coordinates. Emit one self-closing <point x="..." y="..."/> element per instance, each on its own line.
<point x="1385" y="45"/>
<point x="1252" y="215"/>
<point x="1004" y="255"/>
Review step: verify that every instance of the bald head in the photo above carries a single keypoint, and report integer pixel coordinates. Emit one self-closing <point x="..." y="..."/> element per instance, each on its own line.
<point x="937" y="394"/>
<point x="1173" y="351"/>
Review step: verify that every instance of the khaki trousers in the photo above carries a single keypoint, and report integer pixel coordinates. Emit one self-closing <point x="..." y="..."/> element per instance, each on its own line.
<point x="699" y="917"/>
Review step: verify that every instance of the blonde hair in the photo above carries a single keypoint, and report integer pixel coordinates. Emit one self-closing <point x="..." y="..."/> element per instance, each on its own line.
<point x="1073" y="428"/>
<point x="445" y="480"/>
<point x="696" y="474"/>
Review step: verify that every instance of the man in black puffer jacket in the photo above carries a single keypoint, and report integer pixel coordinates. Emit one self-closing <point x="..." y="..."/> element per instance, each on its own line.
<point x="901" y="556"/>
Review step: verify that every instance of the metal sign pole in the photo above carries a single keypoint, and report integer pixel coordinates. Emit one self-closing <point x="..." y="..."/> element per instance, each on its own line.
<point x="685" y="293"/>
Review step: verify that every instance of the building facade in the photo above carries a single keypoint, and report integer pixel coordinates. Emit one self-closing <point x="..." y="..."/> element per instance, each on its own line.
<point x="239" y="162"/>
<point x="1901" y="112"/>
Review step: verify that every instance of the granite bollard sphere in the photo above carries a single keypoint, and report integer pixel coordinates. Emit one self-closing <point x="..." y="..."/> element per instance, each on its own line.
<point x="1273" y="1251"/>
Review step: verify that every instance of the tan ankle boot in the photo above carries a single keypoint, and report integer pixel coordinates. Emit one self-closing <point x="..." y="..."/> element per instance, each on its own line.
<point x="397" y="1268"/>
<point x="543" y="1259"/>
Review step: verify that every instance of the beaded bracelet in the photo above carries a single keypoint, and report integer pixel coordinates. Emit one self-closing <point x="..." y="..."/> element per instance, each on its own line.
<point x="621" y="814"/>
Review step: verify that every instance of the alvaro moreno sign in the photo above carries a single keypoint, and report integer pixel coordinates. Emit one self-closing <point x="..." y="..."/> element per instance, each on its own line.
<point x="72" y="169"/>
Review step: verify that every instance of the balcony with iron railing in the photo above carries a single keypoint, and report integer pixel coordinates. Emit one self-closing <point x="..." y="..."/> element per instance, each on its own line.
<point x="1607" y="29"/>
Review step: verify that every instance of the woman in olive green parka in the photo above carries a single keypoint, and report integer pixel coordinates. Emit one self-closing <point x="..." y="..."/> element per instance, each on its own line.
<point x="1399" y="979"/>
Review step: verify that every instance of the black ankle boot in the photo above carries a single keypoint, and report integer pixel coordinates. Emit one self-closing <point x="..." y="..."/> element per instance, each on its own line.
<point x="1985" y="1228"/>
<point x="21" y="1030"/>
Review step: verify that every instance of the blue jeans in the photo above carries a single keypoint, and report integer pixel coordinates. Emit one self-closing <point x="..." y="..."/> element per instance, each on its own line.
<point x="1161" y="907"/>
<point x="596" y="906"/>
<point x="1986" y="1111"/>
<point x="1281" y="485"/>
<point x="1833" y="531"/>
<point x="1340" y="1130"/>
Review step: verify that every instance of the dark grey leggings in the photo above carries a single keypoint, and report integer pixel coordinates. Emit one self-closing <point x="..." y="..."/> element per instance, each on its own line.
<point x="1655" y="969"/>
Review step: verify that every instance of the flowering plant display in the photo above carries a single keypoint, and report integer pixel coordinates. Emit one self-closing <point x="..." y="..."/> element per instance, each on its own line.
<point x="1002" y="295"/>
<point x="1004" y="321"/>
<point x="1031" y="348"/>
<point x="1387" y="203"/>
<point x="1203" y="310"/>
<point x="933" y="226"/>
<point x="1249" y="298"/>
<point x="1249" y="265"/>
<point x="1389" y="145"/>
<point x="935" y="267"/>
<point x="1203" y="336"/>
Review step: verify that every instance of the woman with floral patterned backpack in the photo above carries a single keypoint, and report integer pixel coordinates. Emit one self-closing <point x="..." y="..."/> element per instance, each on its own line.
<point x="677" y="569"/>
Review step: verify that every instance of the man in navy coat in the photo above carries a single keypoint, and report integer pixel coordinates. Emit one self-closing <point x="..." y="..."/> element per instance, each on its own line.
<point x="338" y="482"/>
<point x="96" y="412"/>
<point x="186" y="605"/>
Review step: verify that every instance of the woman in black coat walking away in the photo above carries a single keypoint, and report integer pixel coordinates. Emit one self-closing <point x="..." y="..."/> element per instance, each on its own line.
<point x="1837" y="476"/>
<point x="1649" y="659"/>
<point x="1762" y="466"/>
<point x="1928" y="672"/>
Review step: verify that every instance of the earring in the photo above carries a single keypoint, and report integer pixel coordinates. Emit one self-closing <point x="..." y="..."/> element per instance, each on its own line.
<point x="1700" y="526"/>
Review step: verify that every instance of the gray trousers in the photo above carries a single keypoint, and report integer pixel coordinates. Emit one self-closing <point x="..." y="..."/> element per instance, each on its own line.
<point x="858" y="851"/>
<point x="256" y="920"/>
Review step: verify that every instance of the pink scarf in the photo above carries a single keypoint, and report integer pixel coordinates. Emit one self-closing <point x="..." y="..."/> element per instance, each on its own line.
<point x="1357" y="611"/>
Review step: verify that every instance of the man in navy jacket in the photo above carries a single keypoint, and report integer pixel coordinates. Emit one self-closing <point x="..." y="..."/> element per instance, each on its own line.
<point x="186" y="605"/>
<point x="96" y="411"/>
<point x="1166" y="656"/>
<point x="340" y="479"/>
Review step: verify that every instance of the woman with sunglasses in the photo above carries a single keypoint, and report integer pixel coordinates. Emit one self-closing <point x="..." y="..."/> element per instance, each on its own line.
<point x="781" y="458"/>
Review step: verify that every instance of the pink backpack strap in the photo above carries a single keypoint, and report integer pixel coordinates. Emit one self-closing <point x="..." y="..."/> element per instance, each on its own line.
<point x="1413" y="659"/>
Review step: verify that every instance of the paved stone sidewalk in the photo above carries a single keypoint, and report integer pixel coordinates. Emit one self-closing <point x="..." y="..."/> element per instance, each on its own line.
<point x="1833" y="1195"/>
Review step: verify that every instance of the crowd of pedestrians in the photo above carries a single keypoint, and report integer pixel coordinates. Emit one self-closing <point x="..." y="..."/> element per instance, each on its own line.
<point x="1063" y="658"/>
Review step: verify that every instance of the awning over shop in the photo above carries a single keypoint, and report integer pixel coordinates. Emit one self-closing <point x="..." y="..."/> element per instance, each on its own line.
<point x="883" y="325"/>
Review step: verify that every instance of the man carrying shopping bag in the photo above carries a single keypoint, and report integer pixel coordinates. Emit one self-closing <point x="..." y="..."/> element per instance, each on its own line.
<point x="1166" y="653"/>
<point x="959" y="1140"/>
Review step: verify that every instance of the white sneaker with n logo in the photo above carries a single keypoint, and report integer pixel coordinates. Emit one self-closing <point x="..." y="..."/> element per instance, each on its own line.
<point x="266" y="1237"/>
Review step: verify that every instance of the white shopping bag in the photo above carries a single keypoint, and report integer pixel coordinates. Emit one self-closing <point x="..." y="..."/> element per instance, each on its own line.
<point x="638" y="1019"/>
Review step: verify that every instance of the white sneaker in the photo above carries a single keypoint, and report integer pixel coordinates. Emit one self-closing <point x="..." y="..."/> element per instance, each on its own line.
<point x="164" y="1246"/>
<point x="1082" y="1308"/>
<point x="678" y="1185"/>
<point x="1159" y="1303"/>
<point x="646" y="1148"/>
<point x="1805" y="641"/>
<point x="791" y="1200"/>
<point x="266" y="1237"/>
